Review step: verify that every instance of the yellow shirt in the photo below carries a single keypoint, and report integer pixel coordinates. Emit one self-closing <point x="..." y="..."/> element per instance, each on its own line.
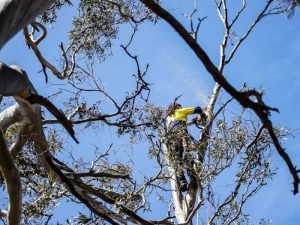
<point x="181" y="114"/>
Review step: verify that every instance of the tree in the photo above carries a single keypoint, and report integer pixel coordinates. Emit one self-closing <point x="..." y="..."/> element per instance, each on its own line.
<point x="107" y="187"/>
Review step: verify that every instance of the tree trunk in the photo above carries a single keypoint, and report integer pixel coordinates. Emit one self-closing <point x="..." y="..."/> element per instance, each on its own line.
<point x="12" y="183"/>
<point x="181" y="202"/>
<point x="15" y="14"/>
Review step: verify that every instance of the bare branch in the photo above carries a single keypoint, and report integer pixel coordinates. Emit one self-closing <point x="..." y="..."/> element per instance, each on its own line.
<point x="223" y="107"/>
<point x="43" y="35"/>
<point x="66" y="71"/>
<point x="257" y="136"/>
<point x="243" y="99"/>
<point x="258" y="18"/>
<point x="238" y="14"/>
<point x="218" y="6"/>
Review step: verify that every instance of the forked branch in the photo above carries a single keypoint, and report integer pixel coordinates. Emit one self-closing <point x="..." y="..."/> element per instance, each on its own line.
<point x="67" y="70"/>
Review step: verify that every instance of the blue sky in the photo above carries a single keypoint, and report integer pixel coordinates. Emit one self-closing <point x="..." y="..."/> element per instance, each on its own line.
<point x="270" y="57"/>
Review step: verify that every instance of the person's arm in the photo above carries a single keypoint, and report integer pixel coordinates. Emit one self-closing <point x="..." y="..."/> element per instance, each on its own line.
<point x="182" y="113"/>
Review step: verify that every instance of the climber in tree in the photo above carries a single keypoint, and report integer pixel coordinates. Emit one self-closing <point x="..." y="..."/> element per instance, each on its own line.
<point x="177" y="139"/>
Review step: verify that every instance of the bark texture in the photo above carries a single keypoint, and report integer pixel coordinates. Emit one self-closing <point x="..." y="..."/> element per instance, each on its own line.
<point x="15" y="14"/>
<point x="12" y="183"/>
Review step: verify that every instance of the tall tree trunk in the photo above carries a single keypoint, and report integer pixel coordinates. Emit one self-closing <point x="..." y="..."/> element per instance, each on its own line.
<point x="182" y="203"/>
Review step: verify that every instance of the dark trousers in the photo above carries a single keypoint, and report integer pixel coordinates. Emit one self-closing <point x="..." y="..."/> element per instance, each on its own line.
<point x="181" y="158"/>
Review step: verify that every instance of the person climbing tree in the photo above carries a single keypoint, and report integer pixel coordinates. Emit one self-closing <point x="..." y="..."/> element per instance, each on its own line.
<point x="177" y="138"/>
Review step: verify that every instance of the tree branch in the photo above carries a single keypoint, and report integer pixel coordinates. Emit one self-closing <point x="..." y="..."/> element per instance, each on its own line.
<point x="12" y="182"/>
<point x="15" y="14"/>
<point x="243" y="99"/>
<point x="67" y="124"/>
<point x="66" y="71"/>
<point x="258" y="18"/>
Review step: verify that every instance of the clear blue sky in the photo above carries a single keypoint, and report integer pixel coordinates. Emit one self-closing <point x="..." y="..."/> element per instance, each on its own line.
<point x="270" y="57"/>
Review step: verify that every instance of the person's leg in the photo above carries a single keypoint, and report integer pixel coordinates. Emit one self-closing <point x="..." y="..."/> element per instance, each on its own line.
<point x="176" y="157"/>
<point x="189" y="160"/>
<point x="182" y="182"/>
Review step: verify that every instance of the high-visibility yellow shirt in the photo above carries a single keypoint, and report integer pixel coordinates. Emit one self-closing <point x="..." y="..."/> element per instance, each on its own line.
<point x="181" y="114"/>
